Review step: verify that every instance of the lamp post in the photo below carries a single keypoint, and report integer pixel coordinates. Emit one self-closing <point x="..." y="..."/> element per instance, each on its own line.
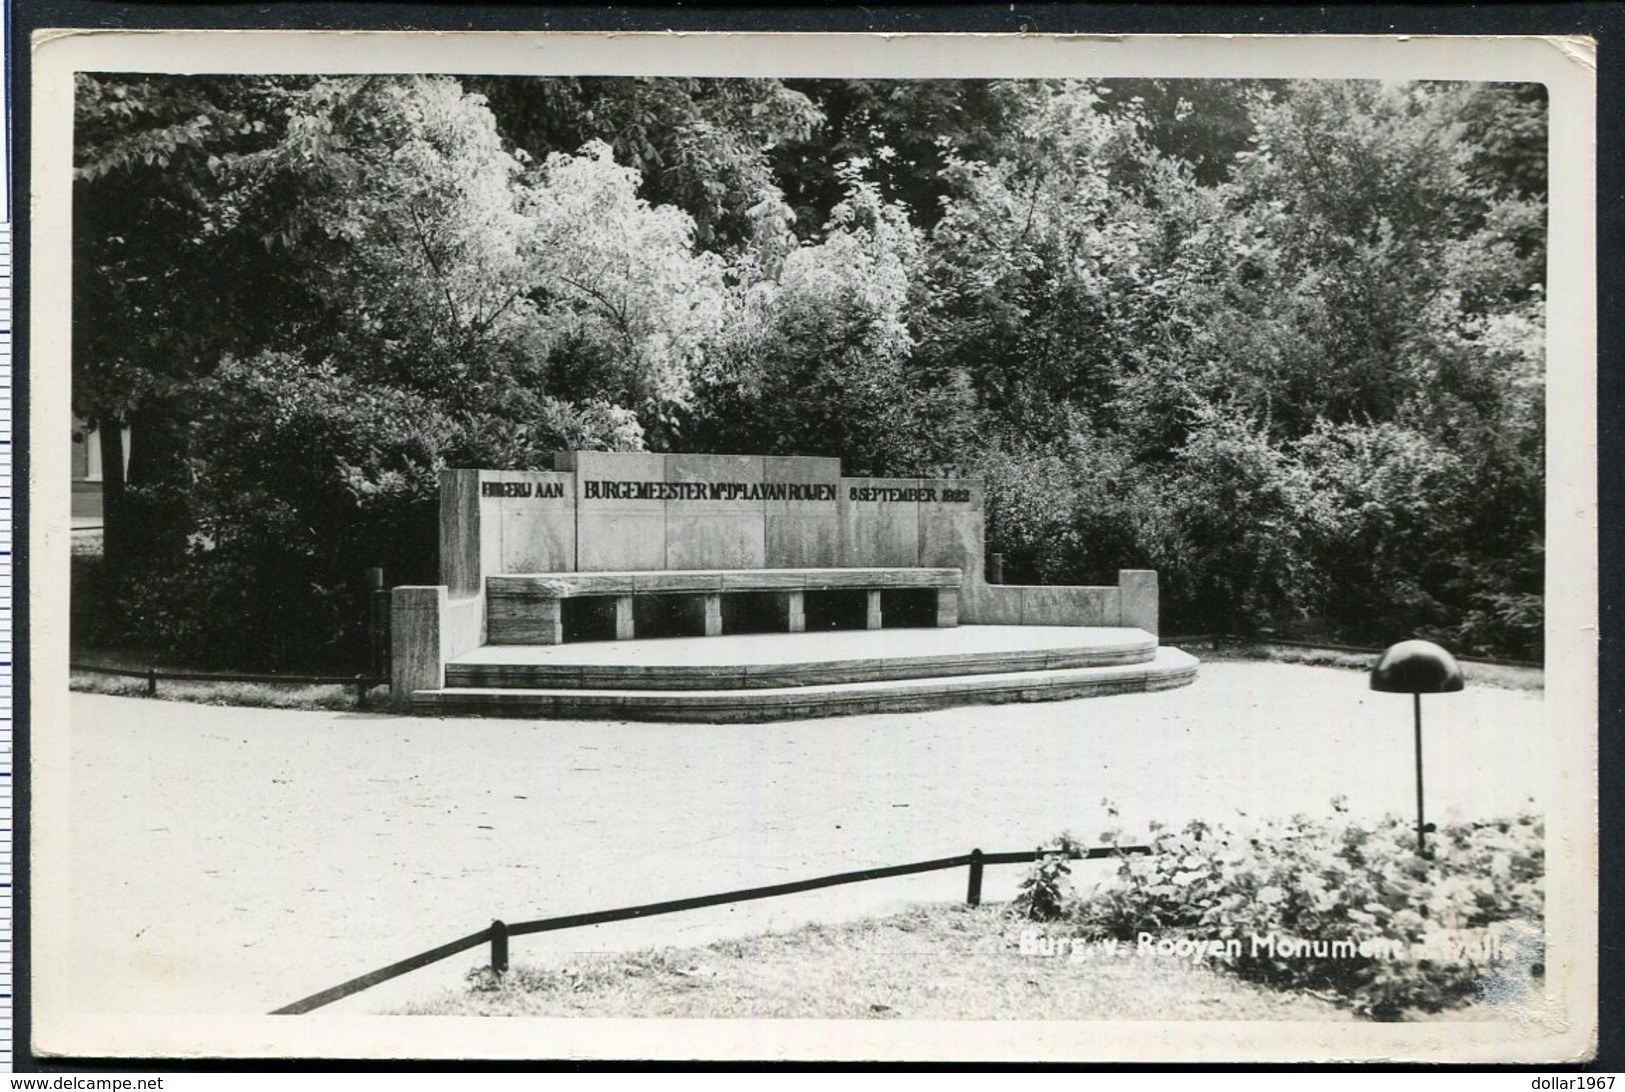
<point x="1417" y="668"/>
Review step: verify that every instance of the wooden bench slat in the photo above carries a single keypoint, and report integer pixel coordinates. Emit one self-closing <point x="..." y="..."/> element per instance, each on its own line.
<point x="884" y="578"/>
<point x="654" y="583"/>
<point x="765" y="580"/>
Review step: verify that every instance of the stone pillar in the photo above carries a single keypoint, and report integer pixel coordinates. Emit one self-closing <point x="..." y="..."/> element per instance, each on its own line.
<point x="872" y="619"/>
<point x="614" y="532"/>
<point x="722" y="527"/>
<point x="1138" y="588"/>
<point x="549" y="622"/>
<point x="947" y="607"/>
<point x="462" y="549"/>
<point x="795" y="612"/>
<point x="713" y="615"/>
<point x="624" y="629"/>
<point x="879" y="527"/>
<point x="521" y="617"/>
<point x="416" y="657"/>
<point x="803" y="529"/>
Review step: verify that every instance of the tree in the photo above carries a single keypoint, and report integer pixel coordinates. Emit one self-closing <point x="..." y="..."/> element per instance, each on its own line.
<point x="396" y="203"/>
<point x="908" y="131"/>
<point x="414" y="265"/>
<point x="1206" y="124"/>
<point x="1283" y="342"/>
<point x="700" y="145"/>
<point x="151" y="257"/>
<point x="819" y="359"/>
<point x="1366" y="294"/>
<point x="449" y="266"/>
<point x="1037" y="266"/>
<point x="629" y="308"/>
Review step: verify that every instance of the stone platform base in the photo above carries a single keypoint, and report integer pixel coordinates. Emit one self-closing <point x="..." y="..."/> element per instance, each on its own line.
<point x="790" y="676"/>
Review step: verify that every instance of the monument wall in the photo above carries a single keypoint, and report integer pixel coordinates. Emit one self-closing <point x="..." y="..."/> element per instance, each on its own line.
<point x="607" y="512"/>
<point x="636" y="511"/>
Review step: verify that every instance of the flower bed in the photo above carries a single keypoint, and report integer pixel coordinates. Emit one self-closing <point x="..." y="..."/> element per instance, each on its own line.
<point x="1333" y="907"/>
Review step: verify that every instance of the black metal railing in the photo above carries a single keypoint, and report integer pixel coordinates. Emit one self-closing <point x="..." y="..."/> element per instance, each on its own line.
<point x="498" y="933"/>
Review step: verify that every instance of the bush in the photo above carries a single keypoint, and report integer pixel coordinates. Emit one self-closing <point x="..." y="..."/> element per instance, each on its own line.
<point x="1336" y="907"/>
<point x="1043" y="891"/>
<point x="1228" y="529"/>
<point x="1428" y="536"/>
<point x="302" y="478"/>
<point x="1061" y="513"/>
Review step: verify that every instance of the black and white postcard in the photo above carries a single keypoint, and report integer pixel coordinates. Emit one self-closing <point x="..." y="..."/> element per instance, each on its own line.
<point x="778" y="546"/>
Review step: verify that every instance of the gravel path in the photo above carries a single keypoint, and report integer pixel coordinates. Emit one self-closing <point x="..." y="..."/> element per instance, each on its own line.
<point x="234" y="860"/>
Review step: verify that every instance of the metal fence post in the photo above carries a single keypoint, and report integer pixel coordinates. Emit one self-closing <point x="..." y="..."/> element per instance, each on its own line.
<point x="499" y="948"/>
<point x="152" y="682"/>
<point x="973" y="895"/>
<point x="361" y="691"/>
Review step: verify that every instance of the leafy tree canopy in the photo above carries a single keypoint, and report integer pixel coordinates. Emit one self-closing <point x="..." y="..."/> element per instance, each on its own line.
<point x="1282" y="341"/>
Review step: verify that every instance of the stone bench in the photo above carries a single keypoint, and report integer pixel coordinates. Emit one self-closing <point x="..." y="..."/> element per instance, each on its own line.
<point x="528" y="608"/>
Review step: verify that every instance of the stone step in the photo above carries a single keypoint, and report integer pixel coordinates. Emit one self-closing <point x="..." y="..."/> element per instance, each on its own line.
<point x="1169" y="668"/>
<point x="756" y="662"/>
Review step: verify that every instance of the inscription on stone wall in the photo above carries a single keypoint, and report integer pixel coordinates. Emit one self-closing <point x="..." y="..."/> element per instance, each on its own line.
<point x="889" y="494"/>
<point x="637" y="511"/>
<point x="522" y="489"/>
<point x="707" y="491"/>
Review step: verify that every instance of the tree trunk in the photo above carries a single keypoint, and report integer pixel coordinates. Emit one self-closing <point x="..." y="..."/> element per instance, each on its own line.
<point x="155" y="527"/>
<point x="115" y="529"/>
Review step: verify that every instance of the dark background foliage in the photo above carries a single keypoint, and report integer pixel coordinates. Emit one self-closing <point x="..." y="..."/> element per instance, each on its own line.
<point x="1282" y="342"/>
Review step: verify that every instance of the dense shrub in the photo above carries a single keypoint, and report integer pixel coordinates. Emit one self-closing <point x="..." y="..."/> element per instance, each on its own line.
<point x="303" y="478"/>
<point x="1066" y="513"/>
<point x="1229" y="526"/>
<point x="817" y="357"/>
<point x="1424" y="536"/>
<point x="1335" y="906"/>
<point x="1043" y="892"/>
<point x="1303" y="380"/>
